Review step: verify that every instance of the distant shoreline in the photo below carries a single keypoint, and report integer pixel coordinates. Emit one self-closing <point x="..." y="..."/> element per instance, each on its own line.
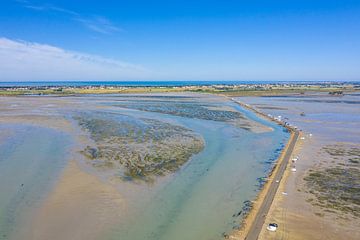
<point x="228" y="88"/>
<point x="159" y="83"/>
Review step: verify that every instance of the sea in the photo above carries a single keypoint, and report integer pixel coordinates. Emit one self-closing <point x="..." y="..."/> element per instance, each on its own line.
<point x="154" y="83"/>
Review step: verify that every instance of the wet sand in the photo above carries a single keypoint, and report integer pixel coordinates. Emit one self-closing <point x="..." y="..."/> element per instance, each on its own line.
<point x="327" y="121"/>
<point x="296" y="218"/>
<point x="80" y="207"/>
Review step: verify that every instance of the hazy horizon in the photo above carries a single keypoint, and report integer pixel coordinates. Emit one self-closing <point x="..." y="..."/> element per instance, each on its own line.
<point x="185" y="81"/>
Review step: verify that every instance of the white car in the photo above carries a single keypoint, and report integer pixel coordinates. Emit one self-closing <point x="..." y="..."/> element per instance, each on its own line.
<point x="272" y="227"/>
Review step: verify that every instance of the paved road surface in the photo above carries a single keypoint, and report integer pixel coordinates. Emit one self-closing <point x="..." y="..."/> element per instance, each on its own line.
<point x="258" y="223"/>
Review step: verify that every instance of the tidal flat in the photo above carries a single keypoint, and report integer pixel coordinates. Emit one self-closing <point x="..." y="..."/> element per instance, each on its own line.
<point x="321" y="199"/>
<point x="144" y="166"/>
<point x="144" y="148"/>
<point x="336" y="188"/>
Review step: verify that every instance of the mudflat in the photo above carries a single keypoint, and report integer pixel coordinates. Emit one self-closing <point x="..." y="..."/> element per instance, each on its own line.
<point x="321" y="199"/>
<point x="135" y="166"/>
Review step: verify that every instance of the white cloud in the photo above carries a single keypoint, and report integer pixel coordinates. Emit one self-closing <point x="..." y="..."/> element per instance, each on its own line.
<point x="27" y="61"/>
<point x="97" y="24"/>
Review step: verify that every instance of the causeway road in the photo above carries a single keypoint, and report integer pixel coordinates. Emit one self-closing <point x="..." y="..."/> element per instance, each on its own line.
<point x="259" y="220"/>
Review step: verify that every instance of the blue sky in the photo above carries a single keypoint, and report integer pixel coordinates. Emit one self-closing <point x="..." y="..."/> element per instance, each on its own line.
<point x="179" y="40"/>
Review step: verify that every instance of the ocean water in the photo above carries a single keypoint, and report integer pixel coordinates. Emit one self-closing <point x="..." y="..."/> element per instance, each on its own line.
<point x="141" y="83"/>
<point x="31" y="159"/>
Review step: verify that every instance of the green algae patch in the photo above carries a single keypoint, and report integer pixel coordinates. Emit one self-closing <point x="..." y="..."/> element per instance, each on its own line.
<point x="139" y="148"/>
<point x="190" y="109"/>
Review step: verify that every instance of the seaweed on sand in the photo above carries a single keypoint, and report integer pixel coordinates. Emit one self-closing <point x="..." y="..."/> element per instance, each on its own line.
<point x="140" y="148"/>
<point x="185" y="109"/>
<point x="337" y="189"/>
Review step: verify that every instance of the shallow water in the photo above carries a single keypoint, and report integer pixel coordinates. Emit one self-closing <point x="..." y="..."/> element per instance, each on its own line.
<point x="196" y="202"/>
<point x="200" y="200"/>
<point x="325" y="116"/>
<point x="31" y="159"/>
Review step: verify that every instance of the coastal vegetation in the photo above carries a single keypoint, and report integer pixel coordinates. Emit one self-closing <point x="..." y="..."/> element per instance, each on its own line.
<point x="138" y="148"/>
<point x="224" y="89"/>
